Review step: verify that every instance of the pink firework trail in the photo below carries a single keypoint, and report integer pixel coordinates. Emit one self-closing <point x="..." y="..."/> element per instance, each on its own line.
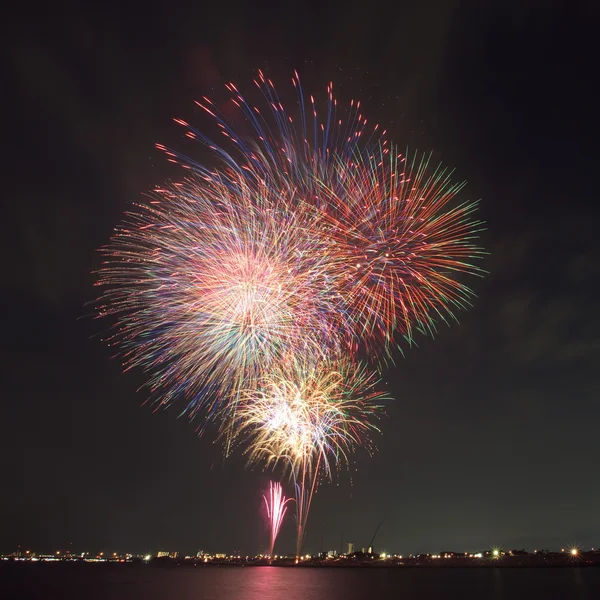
<point x="276" y="508"/>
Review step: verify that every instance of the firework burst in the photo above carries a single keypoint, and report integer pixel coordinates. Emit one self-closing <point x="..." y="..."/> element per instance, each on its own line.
<point x="212" y="287"/>
<point x="309" y="419"/>
<point x="250" y="289"/>
<point x="396" y="236"/>
<point x="400" y="245"/>
<point x="314" y="238"/>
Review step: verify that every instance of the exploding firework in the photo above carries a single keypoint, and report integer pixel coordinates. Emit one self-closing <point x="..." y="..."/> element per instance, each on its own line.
<point x="249" y="289"/>
<point x="213" y="286"/>
<point x="395" y="234"/>
<point x="399" y="245"/>
<point x="276" y="504"/>
<point x="309" y="419"/>
<point x="313" y="238"/>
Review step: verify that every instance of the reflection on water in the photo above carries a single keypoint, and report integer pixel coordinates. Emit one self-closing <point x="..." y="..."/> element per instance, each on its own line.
<point x="271" y="583"/>
<point x="132" y="582"/>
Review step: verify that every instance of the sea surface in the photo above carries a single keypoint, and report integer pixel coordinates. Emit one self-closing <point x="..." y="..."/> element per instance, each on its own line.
<point x="145" y="582"/>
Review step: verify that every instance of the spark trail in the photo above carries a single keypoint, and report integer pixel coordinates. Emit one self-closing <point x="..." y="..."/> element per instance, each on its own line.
<point x="276" y="504"/>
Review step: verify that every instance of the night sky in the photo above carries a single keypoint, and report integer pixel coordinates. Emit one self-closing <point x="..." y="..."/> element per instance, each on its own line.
<point x="492" y="435"/>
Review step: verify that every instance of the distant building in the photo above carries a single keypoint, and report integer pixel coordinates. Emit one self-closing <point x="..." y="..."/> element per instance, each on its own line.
<point x="162" y="554"/>
<point x="200" y="554"/>
<point x="350" y="548"/>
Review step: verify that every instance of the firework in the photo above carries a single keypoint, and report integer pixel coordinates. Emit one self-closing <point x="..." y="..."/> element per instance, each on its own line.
<point x="396" y="238"/>
<point x="309" y="419"/>
<point x="314" y="238"/>
<point x="400" y="245"/>
<point x="213" y="285"/>
<point x="250" y="289"/>
<point x="276" y="504"/>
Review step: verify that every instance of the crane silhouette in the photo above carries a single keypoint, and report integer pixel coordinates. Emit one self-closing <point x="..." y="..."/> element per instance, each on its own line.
<point x="374" y="535"/>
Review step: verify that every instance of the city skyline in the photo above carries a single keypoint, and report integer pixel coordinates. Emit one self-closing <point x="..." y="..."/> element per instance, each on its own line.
<point x="492" y="552"/>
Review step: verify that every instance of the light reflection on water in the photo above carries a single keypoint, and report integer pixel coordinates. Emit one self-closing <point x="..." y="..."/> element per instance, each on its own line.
<point x="131" y="582"/>
<point x="273" y="583"/>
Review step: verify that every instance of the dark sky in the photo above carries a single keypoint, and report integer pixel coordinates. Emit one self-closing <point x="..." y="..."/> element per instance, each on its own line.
<point x="492" y="437"/>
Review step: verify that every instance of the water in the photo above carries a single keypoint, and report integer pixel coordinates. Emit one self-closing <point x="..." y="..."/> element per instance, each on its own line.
<point x="132" y="582"/>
